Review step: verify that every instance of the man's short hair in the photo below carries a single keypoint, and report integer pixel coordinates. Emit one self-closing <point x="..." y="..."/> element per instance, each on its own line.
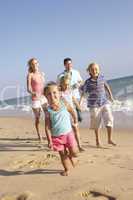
<point x="66" y="60"/>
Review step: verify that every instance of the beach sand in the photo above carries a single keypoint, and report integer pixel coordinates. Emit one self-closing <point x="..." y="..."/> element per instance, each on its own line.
<point x="29" y="170"/>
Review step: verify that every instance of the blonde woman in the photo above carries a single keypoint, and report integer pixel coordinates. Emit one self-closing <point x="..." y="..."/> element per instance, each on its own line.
<point x="35" y="85"/>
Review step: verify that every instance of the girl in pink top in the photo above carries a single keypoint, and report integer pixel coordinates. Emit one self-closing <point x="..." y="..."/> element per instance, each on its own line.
<point x="35" y="85"/>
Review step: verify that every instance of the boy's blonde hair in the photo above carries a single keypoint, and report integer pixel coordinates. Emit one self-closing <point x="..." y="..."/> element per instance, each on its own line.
<point x="90" y="66"/>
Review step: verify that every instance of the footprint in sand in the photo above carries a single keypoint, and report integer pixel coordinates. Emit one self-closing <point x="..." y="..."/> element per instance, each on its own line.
<point x="34" y="162"/>
<point x="88" y="195"/>
<point x="31" y="163"/>
<point x="23" y="196"/>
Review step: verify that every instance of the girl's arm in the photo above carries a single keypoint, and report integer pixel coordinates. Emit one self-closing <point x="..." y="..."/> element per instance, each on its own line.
<point x="75" y="101"/>
<point x="107" y="87"/>
<point x="72" y="112"/>
<point x="83" y="89"/>
<point x="48" y="129"/>
<point x="81" y="99"/>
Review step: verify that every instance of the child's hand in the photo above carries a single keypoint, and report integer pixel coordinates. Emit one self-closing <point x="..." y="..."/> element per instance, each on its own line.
<point x="75" y="125"/>
<point x="79" y="108"/>
<point x="50" y="145"/>
<point x="75" y="86"/>
<point x="112" y="99"/>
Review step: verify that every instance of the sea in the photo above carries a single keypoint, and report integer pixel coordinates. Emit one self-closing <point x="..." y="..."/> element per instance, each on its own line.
<point x="122" y="107"/>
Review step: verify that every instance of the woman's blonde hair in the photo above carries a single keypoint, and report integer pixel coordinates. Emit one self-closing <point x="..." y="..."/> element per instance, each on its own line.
<point x="30" y="65"/>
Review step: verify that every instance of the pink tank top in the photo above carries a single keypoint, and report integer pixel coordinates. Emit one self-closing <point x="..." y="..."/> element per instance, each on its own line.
<point x="37" y="85"/>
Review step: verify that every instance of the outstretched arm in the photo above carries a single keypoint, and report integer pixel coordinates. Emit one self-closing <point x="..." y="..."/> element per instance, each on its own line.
<point x="81" y="99"/>
<point x="48" y="129"/>
<point x="72" y="113"/>
<point x="107" y="87"/>
<point x="75" y="101"/>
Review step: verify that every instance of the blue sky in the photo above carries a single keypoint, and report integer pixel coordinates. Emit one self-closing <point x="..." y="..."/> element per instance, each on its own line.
<point x="85" y="30"/>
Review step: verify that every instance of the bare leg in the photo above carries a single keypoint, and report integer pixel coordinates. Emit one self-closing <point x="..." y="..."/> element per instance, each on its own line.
<point x="65" y="162"/>
<point x="77" y="137"/>
<point x="73" y="156"/>
<point x="97" y="137"/>
<point x="109" y="131"/>
<point x="37" y="121"/>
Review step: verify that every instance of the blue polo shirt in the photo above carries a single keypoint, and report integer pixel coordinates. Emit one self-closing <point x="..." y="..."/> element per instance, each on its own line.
<point x="95" y="91"/>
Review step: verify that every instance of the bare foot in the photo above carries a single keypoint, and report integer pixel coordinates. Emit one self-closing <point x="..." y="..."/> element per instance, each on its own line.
<point x="98" y="146"/>
<point x="111" y="142"/>
<point x="75" y="162"/>
<point x="64" y="173"/>
<point x="40" y="140"/>
<point x="81" y="149"/>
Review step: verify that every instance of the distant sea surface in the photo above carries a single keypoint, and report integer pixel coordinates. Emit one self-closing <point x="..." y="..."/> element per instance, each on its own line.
<point x="122" y="89"/>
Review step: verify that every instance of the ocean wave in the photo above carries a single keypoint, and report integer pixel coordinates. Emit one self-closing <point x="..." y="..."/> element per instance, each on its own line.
<point x="117" y="106"/>
<point x="25" y="108"/>
<point x="123" y="106"/>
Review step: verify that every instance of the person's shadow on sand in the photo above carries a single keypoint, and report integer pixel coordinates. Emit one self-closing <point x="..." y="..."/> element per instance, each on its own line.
<point x="99" y="194"/>
<point x="21" y="139"/>
<point x="22" y="146"/>
<point x="36" y="171"/>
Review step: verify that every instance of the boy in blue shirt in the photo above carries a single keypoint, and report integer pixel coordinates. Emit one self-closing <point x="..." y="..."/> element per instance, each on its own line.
<point x="96" y="89"/>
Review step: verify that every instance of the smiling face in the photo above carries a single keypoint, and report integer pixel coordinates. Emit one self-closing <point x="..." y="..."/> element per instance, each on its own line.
<point x="53" y="95"/>
<point x="35" y="65"/>
<point x="94" y="71"/>
<point x="65" y="84"/>
<point x="68" y="65"/>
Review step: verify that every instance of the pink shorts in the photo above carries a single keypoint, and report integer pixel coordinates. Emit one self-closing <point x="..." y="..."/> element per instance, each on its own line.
<point x="64" y="141"/>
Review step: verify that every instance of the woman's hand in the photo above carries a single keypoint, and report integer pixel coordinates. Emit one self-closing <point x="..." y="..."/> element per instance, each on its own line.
<point x="35" y="94"/>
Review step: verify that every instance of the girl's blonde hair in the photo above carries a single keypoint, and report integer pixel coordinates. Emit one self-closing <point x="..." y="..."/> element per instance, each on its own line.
<point x="47" y="87"/>
<point x="63" y="79"/>
<point x="30" y="65"/>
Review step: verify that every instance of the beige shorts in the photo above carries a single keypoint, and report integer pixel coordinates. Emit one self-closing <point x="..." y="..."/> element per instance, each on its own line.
<point x="39" y="103"/>
<point x="97" y="115"/>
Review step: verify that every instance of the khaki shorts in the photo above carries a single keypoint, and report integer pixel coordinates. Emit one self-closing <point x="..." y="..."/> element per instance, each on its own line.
<point x="39" y="102"/>
<point x="97" y="115"/>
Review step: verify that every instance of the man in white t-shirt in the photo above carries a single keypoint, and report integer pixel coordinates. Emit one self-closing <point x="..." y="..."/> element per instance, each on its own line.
<point x="75" y="80"/>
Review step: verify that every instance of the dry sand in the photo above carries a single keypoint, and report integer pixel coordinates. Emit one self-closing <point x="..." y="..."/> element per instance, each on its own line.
<point x="30" y="171"/>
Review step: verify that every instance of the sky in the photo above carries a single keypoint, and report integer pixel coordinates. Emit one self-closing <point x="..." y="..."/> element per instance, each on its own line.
<point x="88" y="31"/>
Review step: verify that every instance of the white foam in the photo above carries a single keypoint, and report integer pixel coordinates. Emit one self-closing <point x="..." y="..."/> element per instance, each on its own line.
<point x="26" y="108"/>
